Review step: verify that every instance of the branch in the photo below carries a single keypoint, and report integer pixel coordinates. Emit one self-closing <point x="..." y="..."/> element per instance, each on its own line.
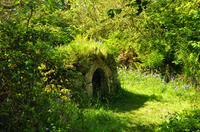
<point x="28" y="21"/>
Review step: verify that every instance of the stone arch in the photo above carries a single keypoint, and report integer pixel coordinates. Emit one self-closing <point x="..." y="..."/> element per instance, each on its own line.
<point x="100" y="73"/>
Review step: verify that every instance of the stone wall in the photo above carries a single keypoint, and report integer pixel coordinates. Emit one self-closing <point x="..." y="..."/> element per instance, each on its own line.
<point x="100" y="75"/>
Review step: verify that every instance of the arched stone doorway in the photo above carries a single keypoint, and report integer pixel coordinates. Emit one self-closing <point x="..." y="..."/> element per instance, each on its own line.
<point x="99" y="83"/>
<point x="100" y="77"/>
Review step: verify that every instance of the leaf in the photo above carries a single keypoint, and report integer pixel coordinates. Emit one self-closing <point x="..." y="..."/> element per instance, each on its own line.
<point x="139" y="10"/>
<point x="16" y="2"/>
<point x="111" y="13"/>
<point x="118" y="11"/>
<point x="26" y="1"/>
<point x="50" y="2"/>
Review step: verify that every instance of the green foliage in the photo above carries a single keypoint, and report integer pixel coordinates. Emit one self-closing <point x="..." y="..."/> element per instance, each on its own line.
<point x="39" y="77"/>
<point x="112" y="12"/>
<point x="118" y="42"/>
<point x="176" y="87"/>
<point x="188" y="121"/>
<point x="154" y="59"/>
<point x="164" y="34"/>
<point x="37" y="90"/>
<point x="42" y="54"/>
<point x="40" y="112"/>
<point x="92" y="19"/>
<point x="137" y="5"/>
<point x="84" y="47"/>
<point x="165" y="26"/>
<point x="27" y="88"/>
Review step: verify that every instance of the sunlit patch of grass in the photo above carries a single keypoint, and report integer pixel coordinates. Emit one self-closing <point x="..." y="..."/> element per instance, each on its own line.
<point x="142" y="104"/>
<point x="102" y="119"/>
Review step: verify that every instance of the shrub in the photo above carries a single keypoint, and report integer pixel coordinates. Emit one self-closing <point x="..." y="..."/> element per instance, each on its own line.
<point x="32" y="71"/>
<point x="188" y="121"/>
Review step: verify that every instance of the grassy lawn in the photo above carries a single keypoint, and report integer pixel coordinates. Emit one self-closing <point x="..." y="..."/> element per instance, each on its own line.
<point x="143" y="103"/>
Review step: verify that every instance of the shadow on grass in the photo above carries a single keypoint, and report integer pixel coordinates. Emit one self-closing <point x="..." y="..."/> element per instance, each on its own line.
<point x="107" y="118"/>
<point x="97" y="120"/>
<point x="127" y="101"/>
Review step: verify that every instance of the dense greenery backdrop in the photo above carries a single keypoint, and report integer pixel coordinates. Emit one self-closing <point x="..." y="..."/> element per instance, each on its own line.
<point x="39" y="51"/>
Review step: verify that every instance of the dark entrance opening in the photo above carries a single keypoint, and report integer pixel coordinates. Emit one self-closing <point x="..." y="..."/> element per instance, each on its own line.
<point x="99" y="83"/>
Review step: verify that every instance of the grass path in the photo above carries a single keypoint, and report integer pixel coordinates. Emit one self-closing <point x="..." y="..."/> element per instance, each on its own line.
<point x="143" y="103"/>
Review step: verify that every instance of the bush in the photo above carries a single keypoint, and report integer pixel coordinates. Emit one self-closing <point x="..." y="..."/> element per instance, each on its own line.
<point x="28" y="90"/>
<point x="188" y="121"/>
<point x="170" y="28"/>
<point x="36" y="87"/>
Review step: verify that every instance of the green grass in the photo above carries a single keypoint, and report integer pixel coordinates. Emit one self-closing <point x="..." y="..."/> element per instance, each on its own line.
<point x="142" y="104"/>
